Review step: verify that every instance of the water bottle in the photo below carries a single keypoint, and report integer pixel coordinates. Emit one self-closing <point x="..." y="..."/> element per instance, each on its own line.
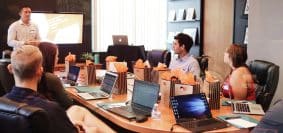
<point x="155" y="113"/>
<point x="96" y="58"/>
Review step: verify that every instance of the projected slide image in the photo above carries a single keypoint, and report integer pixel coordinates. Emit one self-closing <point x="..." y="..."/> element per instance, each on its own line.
<point x="59" y="28"/>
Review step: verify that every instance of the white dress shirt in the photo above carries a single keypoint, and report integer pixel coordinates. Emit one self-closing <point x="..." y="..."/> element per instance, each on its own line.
<point x="187" y="63"/>
<point x="20" y="32"/>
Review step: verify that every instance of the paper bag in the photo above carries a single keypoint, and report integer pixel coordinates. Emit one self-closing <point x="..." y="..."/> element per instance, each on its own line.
<point x="91" y="72"/>
<point x="121" y="83"/>
<point x="165" y="92"/>
<point x="83" y="76"/>
<point x="143" y="73"/>
<point x="183" y="89"/>
<point x="155" y="75"/>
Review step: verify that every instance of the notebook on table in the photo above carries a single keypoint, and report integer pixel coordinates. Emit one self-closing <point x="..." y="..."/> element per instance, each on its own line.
<point x="145" y="95"/>
<point x="72" y="76"/>
<point x="193" y="113"/>
<point x="120" y="39"/>
<point x="103" y="91"/>
<point x="245" y="107"/>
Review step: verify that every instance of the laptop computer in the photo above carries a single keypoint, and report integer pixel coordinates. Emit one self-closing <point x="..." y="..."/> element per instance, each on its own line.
<point x="103" y="91"/>
<point x="245" y="107"/>
<point x="72" y="76"/>
<point x="192" y="112"/>
<point x="145" y="95"/>
<point x="120" y="39"/>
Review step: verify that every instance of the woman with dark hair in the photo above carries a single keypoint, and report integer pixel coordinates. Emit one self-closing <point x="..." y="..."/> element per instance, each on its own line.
<point x="50" y="56"/>
<point x="239" y="83"/>
<point x="50" y="85"/>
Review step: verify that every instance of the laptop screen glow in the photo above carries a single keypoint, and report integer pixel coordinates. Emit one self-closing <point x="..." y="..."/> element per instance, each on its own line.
<point x="73" y="73"/>
<point x="193" y="106"/>
<point x="145" y="93"/>
<point x="108" y="82"/>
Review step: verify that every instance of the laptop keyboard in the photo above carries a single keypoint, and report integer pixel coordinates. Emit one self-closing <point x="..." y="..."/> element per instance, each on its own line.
<point x="241" y="107"/>
<point x="135" y="110"/>
<point x="199" y="123"/>
<point x="206" y="122"/>
<point x="99" y="94"/>
<point x="122" y="111"/>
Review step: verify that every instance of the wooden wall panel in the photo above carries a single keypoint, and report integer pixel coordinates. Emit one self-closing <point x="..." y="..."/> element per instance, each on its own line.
<point x="218" y="33"/>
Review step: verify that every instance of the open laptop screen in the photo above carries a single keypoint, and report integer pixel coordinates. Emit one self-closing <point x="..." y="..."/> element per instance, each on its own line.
<point x="73" y="73"/>
<point x="193" y="106"/>
<point x="145" y="93"/>
<point x="120" y="39"/>
<point x="108" y="82"/>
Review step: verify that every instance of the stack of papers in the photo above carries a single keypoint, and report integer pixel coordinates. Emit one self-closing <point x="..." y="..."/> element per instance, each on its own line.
<point x="239" y="121"/>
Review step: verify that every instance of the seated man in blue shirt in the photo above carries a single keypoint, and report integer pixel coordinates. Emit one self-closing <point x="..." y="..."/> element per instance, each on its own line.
<point x="26" y="66"/>
<point x="272" y="121"/>
<point x="183" y="60"/>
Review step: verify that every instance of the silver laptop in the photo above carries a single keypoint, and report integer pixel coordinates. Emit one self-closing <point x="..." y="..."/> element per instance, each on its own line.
<point x="72" y="76"/>
<point x="103" y="91"/>
<point x="145" y="95"/>
<point x="244" y="107"/>
<point x="120" y="39"/>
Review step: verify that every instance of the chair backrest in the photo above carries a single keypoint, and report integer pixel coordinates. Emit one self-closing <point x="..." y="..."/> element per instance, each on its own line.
<point x="155" y="56"/>
<point x="266" y="75"/>
<point x="6" y="78"/>
<point x="133" y="53"/>
<point x="6" y="54"/>
<point x="203" y="64"/>
<point x="18" y="117"/>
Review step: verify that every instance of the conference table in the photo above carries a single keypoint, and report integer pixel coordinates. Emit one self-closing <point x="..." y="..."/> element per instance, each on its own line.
<point x="151" y="125"/>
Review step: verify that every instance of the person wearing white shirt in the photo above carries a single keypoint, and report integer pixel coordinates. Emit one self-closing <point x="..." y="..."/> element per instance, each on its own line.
<point x="183" y="60"/>
<point x="23" y="31"/>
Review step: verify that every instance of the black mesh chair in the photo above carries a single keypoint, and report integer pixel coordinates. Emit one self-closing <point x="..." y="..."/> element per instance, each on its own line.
<point x="6" y="78"/>
<point x="127" y="53"/>
<point x="203" y="64"/>
<point x="18" y="117"/>
<point x="266" y="75"/>
<point x="155" y="56"/>
<point x="6" y="54"/>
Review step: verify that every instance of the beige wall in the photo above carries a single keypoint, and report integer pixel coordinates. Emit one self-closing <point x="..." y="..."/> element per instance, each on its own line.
<point x="265" y="35"/>
<point x="218" y="32"/>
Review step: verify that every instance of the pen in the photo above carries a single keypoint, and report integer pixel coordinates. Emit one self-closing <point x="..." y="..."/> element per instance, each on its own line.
<point x="232" y="117"/>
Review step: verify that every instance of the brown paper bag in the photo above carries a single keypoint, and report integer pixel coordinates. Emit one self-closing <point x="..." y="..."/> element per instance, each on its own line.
<point x="121" y="83"/>
<point x="183" y="89"/>
<point x="167" y="89"/>
<point x="143" y="73"/>
<point x="155" y="75"/>
<point x="91" y="74"/>
<point x="165" y="92"/>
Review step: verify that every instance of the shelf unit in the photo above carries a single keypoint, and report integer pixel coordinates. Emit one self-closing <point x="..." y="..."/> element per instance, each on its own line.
<point x="177" y="25"/>
<point x="240" y="22"/>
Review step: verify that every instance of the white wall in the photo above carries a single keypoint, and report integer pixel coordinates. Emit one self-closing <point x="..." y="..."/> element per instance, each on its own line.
<point x="266" y="35"/>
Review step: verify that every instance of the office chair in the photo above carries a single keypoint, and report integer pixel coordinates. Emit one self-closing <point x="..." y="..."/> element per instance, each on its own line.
<point x="127" y="53"/>
<point x="266" y="75"/>
<point x="18" y="117"/>
<point x="6" y="78"/>
<point x="6" y="54"/>
<point x="203" y="64"/>
<point x="155" y="56"/>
